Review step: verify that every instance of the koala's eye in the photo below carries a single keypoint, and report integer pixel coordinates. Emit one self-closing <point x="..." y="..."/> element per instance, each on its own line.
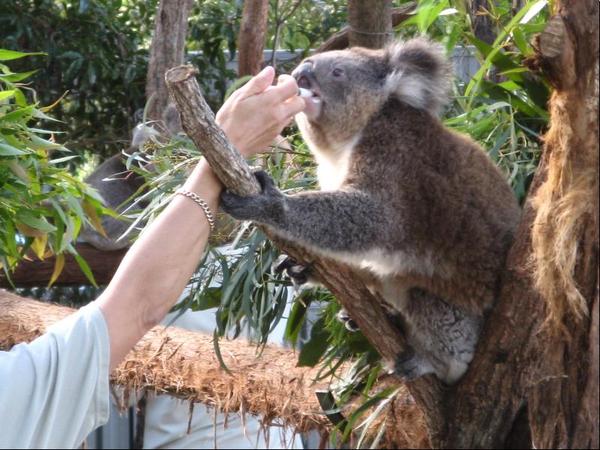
<point x="337" y="72"/>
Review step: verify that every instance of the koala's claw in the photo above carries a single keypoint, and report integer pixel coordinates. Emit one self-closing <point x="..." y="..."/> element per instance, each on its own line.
<point x="298" y="273"/>
<point x="265" y="181"/>
<point x="259" y="207"/>
<point x="345" y="318"/>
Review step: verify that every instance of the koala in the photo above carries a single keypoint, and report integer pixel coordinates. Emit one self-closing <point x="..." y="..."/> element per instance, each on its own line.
<point x="419" y="206"/>
<point x="117" y="184"/>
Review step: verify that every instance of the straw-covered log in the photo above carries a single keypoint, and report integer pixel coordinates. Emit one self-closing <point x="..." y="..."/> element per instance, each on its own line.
<point x="184" y="363"/>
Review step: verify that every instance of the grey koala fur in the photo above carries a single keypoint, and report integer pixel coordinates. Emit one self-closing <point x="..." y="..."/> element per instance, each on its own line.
<point x="420" y="206"/>
<point x="117" y="184"/>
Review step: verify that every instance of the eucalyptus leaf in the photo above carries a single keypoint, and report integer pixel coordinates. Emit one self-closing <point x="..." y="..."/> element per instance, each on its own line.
<point x="39" y="223"/>
<point x="9" y="150"/>
<point x="8" y="55"/>
<point x="315" y="348"/>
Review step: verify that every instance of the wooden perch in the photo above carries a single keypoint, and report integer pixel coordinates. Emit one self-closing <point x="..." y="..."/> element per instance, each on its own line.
<point x="183" y="363"/>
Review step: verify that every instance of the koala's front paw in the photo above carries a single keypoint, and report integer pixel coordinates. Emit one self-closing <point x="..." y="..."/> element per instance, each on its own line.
<point x="345" y="318"/>
<point x="264" y="207"/>
<point x="298" y="273"/>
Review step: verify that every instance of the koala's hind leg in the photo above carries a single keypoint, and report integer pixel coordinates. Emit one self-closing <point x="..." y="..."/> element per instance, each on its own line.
<point x="301" y="275"/>
<point x="344" y="317"/>
<point x="441" y="334"/>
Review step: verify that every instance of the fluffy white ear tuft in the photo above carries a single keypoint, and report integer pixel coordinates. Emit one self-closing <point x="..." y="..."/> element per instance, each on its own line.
<point x="419" y="75"/>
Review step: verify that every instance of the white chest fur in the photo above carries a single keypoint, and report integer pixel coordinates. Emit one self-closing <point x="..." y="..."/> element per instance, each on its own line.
<point x="334" y="164"/>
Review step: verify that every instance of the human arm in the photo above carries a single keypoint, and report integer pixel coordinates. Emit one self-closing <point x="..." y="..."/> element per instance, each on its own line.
<point x="157" y="267"/>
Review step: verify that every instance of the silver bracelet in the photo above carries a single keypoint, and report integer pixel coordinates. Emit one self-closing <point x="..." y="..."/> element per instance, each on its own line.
<point x="209" y="215"/>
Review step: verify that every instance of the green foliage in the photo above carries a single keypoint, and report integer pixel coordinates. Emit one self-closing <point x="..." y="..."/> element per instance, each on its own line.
<point x="42" y="206"/>
<point x="503" y="106"/>
<point x="303" y="25"/>
<point x="96" y="57"/>
<point x="213" y="29"/>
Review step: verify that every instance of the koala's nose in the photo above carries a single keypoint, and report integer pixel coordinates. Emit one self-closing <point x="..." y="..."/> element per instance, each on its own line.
<point x="304" y="75"/>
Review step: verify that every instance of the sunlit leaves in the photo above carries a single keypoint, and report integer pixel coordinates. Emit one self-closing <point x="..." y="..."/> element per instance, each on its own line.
<point x="41" y="208"/>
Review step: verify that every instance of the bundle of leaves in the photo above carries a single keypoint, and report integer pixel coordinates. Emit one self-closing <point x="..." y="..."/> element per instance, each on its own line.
<point x="42" y="206"/>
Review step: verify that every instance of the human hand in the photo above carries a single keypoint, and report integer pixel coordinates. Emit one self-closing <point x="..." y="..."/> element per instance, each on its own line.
<point x="254" y="115"/>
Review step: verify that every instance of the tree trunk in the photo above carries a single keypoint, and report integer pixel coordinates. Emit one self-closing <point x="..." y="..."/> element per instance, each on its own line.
<point x="370" y="23"/>
<point x="481" y="23"/>
<point x="251" y="39"/>
<point x="564" y="393"/>
<point x="184" y="364"/>
<point x="166" y="51"/>
<point x="340" y="40"/>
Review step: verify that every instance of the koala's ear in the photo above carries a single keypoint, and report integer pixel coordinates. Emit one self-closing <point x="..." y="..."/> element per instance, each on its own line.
<point x="419" y="74"/>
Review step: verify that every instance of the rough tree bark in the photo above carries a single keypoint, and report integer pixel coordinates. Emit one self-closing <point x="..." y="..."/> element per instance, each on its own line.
<point x="511" y="378"/>
<point x="166" y="51"/>
<point x="251" y="39"/>
<point x="563" y="400"/>
<point x="481" y="22"/>
<point x="370" y="23"/>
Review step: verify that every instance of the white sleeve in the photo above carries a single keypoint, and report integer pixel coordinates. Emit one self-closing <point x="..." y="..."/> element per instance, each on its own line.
<point x="54" y="391"/>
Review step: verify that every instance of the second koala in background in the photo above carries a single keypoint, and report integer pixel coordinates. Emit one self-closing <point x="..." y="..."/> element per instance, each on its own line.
<point x="117" y="184"/>
<point x="421" y="207"/>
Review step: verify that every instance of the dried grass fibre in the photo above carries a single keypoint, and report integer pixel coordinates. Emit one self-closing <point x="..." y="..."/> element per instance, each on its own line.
<point x="567" y="207"/>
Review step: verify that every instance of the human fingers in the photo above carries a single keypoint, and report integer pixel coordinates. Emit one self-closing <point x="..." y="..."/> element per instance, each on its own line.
<point x="293" y="106"/>
<point x="258" y="83"/>
<point x="286" y="87"/>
